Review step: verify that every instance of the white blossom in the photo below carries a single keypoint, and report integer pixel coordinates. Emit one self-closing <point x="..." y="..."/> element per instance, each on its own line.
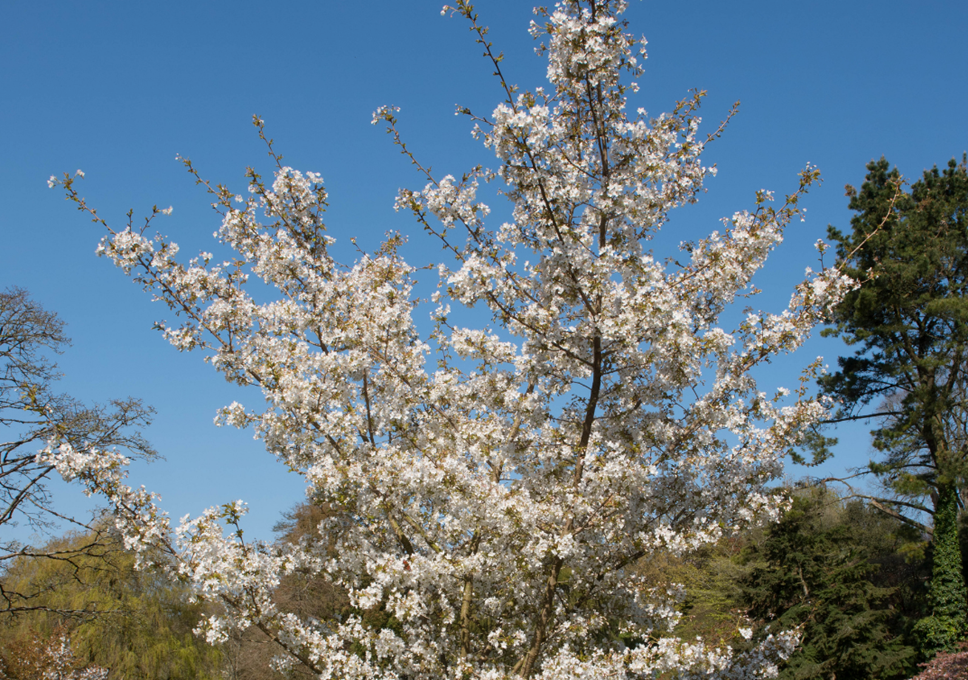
<point x="492" y="485"/>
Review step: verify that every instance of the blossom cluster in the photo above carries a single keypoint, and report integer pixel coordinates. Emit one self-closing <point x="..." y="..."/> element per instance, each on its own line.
<point x="494" y="506"/>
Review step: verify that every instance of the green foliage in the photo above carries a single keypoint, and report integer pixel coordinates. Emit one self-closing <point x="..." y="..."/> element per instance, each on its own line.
<point x="815" y="573"/>
<point x="899" y="552"/>
<point x="947" y="598"/>
<point x="909" y="319"/>
<point x="714" y="608"/>
<point x="134" y="623"/>
<point x="909" y="250"/>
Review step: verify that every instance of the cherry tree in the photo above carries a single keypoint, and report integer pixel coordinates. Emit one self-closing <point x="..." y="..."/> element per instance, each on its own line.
<point x="492" y="488"/>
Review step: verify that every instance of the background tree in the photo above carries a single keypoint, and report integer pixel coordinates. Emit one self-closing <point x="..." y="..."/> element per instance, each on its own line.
<point x="34" y="656"/>
<point x="31" y="413"/>
<point x="816" y="574"/>
<point x="714" y="608"/>
<point x="910" y="321"/>
<point x="136" y="623"/>
<point x="249" y="654"/>
<point x="749" y="575"/>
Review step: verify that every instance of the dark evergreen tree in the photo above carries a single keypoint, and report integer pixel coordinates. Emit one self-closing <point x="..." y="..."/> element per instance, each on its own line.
<point x="816" y="575"/>
<point x="902" y="557"/>
<point x="909" y="319"/>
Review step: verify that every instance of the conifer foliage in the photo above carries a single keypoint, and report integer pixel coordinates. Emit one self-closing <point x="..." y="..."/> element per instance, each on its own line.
<point x="816" y="576"/>
<point x="909" y="320"/>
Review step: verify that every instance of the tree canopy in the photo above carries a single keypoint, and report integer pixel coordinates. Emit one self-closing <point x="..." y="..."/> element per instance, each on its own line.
<point x="101" y="612"/>
<point x="909" y="319"/>
<point x="491" y="487"/>
<point x="815" y="574"/>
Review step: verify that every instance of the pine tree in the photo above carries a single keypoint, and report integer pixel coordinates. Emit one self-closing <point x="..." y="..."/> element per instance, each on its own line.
<point x="909" y="319"/>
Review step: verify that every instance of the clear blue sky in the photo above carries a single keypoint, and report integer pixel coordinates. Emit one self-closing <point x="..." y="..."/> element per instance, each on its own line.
<point x="119" y="88"/>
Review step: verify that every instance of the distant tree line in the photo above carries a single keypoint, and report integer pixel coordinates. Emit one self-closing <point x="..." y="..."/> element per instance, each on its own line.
<point x="852" y="579"/>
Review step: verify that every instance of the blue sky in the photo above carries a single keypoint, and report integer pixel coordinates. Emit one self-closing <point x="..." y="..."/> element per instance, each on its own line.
<point x="119" y="88"/>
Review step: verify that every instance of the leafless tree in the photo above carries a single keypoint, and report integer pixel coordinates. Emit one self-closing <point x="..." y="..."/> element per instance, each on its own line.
<point x="33" y="413"/>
